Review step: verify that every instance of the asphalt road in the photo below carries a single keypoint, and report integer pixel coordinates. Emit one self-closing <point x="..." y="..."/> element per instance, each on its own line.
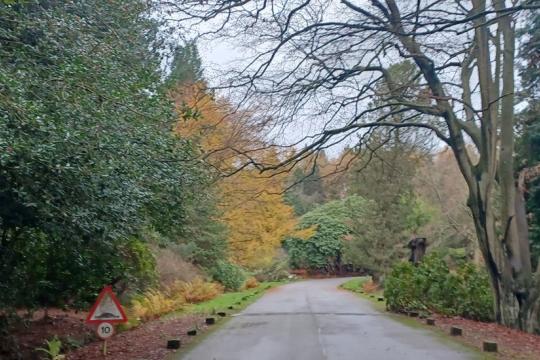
<point x="314" y="320"/>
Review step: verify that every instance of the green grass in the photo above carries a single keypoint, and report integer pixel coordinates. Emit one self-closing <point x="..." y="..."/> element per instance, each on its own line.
<point x="239" y="300"/>
<point x="355" y="285"/>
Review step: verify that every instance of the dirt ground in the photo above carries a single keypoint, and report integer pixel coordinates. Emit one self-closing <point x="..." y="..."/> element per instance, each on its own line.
<point x="148" y="341"/>
<point x="33" y="331"/>
<point x="512" y="344"/>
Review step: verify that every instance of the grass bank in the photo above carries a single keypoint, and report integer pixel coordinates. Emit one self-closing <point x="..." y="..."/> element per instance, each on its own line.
<point x="229" y="302"/>
<point x="356" y="286"/>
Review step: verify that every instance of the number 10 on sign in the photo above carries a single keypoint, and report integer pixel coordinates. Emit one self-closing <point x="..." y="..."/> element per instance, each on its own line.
<point x="105" y="330"/>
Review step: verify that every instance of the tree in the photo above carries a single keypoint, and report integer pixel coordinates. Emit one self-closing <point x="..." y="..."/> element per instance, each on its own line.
<point x="395" y="214"/>
<point x="439" y="184"/>
<point x="306" y="188"/>
<point x="325" y="230"/>
<point x="312" y="63"/>
<point x="256" y="215"/>
<point x="186" y="65"/>
<point x="251" y="205"/>
<point x="87" y="156"/>
<point x="203" y="238"/>
<point x="529" y="140"/>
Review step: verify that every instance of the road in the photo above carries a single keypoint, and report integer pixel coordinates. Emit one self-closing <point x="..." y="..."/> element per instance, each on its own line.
<point x="314" y="320"/>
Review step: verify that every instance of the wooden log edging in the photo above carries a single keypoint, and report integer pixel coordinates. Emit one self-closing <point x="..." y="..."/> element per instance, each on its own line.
<point x="489" y="346"/>
<point x="173" y="344"/>
<point x="456" y="331"/>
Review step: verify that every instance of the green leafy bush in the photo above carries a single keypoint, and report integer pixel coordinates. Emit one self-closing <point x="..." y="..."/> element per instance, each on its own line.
<point x="434" y="286"/>
<point x="277" y="270"/>
<point x="324" y="250"/>
<point x="87" y="156"/>
<point x="229" y="275"/>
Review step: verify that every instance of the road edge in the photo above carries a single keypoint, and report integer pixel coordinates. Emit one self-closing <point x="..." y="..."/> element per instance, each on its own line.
<point x="436" y="333"/>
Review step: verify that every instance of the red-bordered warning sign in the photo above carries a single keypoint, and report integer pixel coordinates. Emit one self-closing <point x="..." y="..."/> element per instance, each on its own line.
<point x="107" y="308"/>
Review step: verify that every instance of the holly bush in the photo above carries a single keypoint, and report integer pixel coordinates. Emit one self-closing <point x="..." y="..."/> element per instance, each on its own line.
<point x="433" y="286"/>
<point x="231" y="276"/>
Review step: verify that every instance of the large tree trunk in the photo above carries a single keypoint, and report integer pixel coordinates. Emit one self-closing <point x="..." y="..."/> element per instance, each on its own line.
<point x="516" y="293"/>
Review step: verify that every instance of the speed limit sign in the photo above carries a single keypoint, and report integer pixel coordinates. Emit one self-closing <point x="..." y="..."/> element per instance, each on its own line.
<point x="105" y="330"/>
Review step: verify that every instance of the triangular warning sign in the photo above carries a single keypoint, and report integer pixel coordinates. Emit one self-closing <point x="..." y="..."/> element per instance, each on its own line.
<point x="106" y="308"/>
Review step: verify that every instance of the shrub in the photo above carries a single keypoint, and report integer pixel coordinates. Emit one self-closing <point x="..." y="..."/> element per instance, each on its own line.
<point x="476" y="297"/>
<point x="322" y="250"/>
<point x="229" y="275"/>
<point x="171" y="267"/>
<point x="434" y="286"/>
<point x="251" y="283"/>
<point x="331" y="223"/>
<point x="54" y="347"/>
<point x="369" y="286"/>
<point x="154" y="303"/>
<point x="277" y="270"/>
<point x="140" y="265"/>
<point x="195" y="291"/>
<point x="400" y="290"/>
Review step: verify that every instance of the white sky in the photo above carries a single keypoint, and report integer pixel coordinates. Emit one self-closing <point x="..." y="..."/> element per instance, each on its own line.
<point x="220" y="55"/>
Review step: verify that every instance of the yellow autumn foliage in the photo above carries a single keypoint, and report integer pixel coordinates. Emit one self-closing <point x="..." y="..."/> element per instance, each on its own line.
<point x="252" y="203"/>
<point x="195" y="291"/>
<point x="154" y="303"/>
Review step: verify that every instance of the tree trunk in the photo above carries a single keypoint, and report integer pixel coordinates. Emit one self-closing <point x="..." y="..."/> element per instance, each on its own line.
<point x="516" y="291"/>
<point x="418" y="249"/>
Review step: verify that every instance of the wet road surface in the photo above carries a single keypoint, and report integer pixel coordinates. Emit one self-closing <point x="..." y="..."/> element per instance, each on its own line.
<point x="314" y="320"/>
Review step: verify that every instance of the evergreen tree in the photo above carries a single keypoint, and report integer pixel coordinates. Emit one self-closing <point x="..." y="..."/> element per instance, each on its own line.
<point x="186" y="66"/>
<point x="529" y="121"/>
<point x="87" y="157"/>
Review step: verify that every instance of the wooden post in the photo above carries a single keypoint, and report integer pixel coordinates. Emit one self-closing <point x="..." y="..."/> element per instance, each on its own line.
<point x="173" y="344"/>
<point x="489" y="346"/>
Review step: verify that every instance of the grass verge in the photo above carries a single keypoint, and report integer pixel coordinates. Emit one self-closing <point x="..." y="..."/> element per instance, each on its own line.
<point x="355" y="286"/>
<point x="237" y="300"/>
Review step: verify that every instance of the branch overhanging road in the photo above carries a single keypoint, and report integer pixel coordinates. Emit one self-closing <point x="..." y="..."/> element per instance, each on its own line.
<point x="314" y="320"/>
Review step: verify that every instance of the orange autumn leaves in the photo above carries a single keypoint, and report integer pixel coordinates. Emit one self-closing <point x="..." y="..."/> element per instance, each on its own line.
<point x="252" y="203"/>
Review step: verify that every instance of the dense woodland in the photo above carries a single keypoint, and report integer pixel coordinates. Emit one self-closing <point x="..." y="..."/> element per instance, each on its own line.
<point x="122" y="164"/>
